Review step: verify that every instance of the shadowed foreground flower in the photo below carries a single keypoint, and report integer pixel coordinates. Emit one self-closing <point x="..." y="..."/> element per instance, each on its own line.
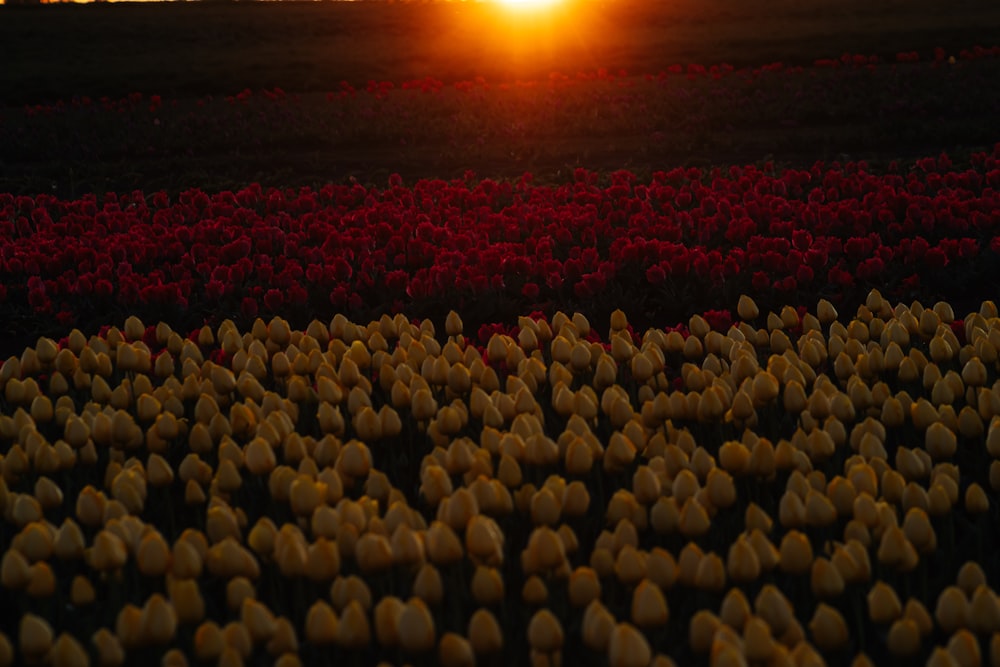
<point x="545" y="633"/>
<point x="964" y="648"/>
<point x="952" y="610"/>
<point x="353" y="629"/>
<point x="735" y="609"/>
<point x="386" y="618"/>
<point x="321" y="624"/>
<point x="828" y="628"/>
<point x="454" y="650"/>
<point x="757" y="640"/>
<point x="774" y="608"/>
<point x="796" y="553"/>
<point x="917" y="612"/>
<point x="598" y="623"/>
<point x="68" y="651"/>
<point x="649" y="605"/>
<point x="82" y="591"/>
<point x="416" y="628"/>
<point x="487" y="586"/>
<point x="825" y="579"/>
<point x="109" y="649"/>
<point x="883" y="604"/>
<point x="484" y="632"/>
<point x="904" y="638"/>
<point x="628" y="647"/>
<point x="158" y="620"/>
<point x="984" y="611"/>
<point x="34" y="636"/>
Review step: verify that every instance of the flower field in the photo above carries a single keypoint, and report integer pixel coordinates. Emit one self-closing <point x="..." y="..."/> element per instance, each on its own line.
<point x="500" y="249"/>
<point x="638" y="413"/>
<point x="863" y="106"/>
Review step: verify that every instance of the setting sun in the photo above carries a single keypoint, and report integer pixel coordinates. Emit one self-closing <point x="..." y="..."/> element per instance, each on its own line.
<point x="528" y="5"/>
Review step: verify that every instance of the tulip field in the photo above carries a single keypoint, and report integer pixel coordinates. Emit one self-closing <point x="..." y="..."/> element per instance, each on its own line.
<point x="692" y="366"/>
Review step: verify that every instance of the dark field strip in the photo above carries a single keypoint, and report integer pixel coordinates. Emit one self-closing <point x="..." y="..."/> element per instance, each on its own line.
<point x="193" y="49"/>
<point x="876" y="110"/>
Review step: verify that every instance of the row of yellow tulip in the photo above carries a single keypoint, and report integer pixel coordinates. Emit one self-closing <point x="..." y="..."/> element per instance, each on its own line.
<point x="382" y="492"/>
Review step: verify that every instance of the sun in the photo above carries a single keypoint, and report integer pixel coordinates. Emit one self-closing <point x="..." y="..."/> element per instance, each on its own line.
<point x="528" y="6"/>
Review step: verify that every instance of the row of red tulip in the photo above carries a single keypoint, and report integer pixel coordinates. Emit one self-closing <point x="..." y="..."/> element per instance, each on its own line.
<point x="837" y="229"/>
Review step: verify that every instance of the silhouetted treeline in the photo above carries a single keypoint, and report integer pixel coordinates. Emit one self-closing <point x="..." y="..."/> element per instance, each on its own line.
<point x="34" y="3"/>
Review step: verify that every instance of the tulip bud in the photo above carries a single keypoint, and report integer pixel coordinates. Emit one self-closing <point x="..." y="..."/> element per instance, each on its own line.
<point x="628" y="647"/>
<point x="742" y="564"/>
<point x="353" y="628"/>
<point x="416" y="628"/>
<point x="109" y="648"/>
<point x="34" y="636"/>
<point x="35" y="542"/>
<point x="209" y="641"/>
<point x="756" y="518"/>
<point x="883" y="604"/>
<point x="904" y="638"/>
<point x="747" y="309"/>
<point x="153" y="555"/>
<point x="952" y="611"/>
<point x="545" y="632"/>
<point x="976" y="500"/>
<point x="694" y="519"/>
<point x="108" y="552"/>
<point x="321" y="624"/>
<point x="649" y="606"/>
<point x="984" y="611"/>
<point x="710" y="574"/>
<point x="819" y="510"/>
<point x="186" y="598"/>
<point x="970" y="577"/>
<point x="825" y="579"/>
<point x="435" y="484"/>
<point x="484" y="632"/>
<point x="484" y="540"/>
<point x="940" y="441"/>
<point x="158" y="620"/>
<point x="895" y="550"/>
<point x="443" y="545"/>
<point x="939" y="498"/>
<point x="796" y="553"/>
<point x="81" y="591"/>
<point x="373" y="553"/>
<point x="41" y="580"/>
<point x="407" y="545"/>
<point x="355" y="460"/>
<point x="735" y="609"/>
<point x="828" y="628"/>
<point x="702" y="629"/>
<point x="487" y="585"/>
<point x="230" y="559"/>
<point x="387" y="613"/>
<point x="427" y="585"/>
<point x="774" y="608"/>
<point x="68" y="652"/>
<point x="963" y="648"/>
<point x="455" y="650"/>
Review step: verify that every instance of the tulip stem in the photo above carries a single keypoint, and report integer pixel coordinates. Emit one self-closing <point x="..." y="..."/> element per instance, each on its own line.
<point x="981" y="526"/>
<point x="949" y="531"/>
<point x="859" y="618"/>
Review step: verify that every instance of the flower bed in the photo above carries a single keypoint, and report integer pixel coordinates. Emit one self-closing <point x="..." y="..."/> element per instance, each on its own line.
<point x="356" y="423"/>
<point x="500" y="249"/>
<point x="797" y="489"/>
